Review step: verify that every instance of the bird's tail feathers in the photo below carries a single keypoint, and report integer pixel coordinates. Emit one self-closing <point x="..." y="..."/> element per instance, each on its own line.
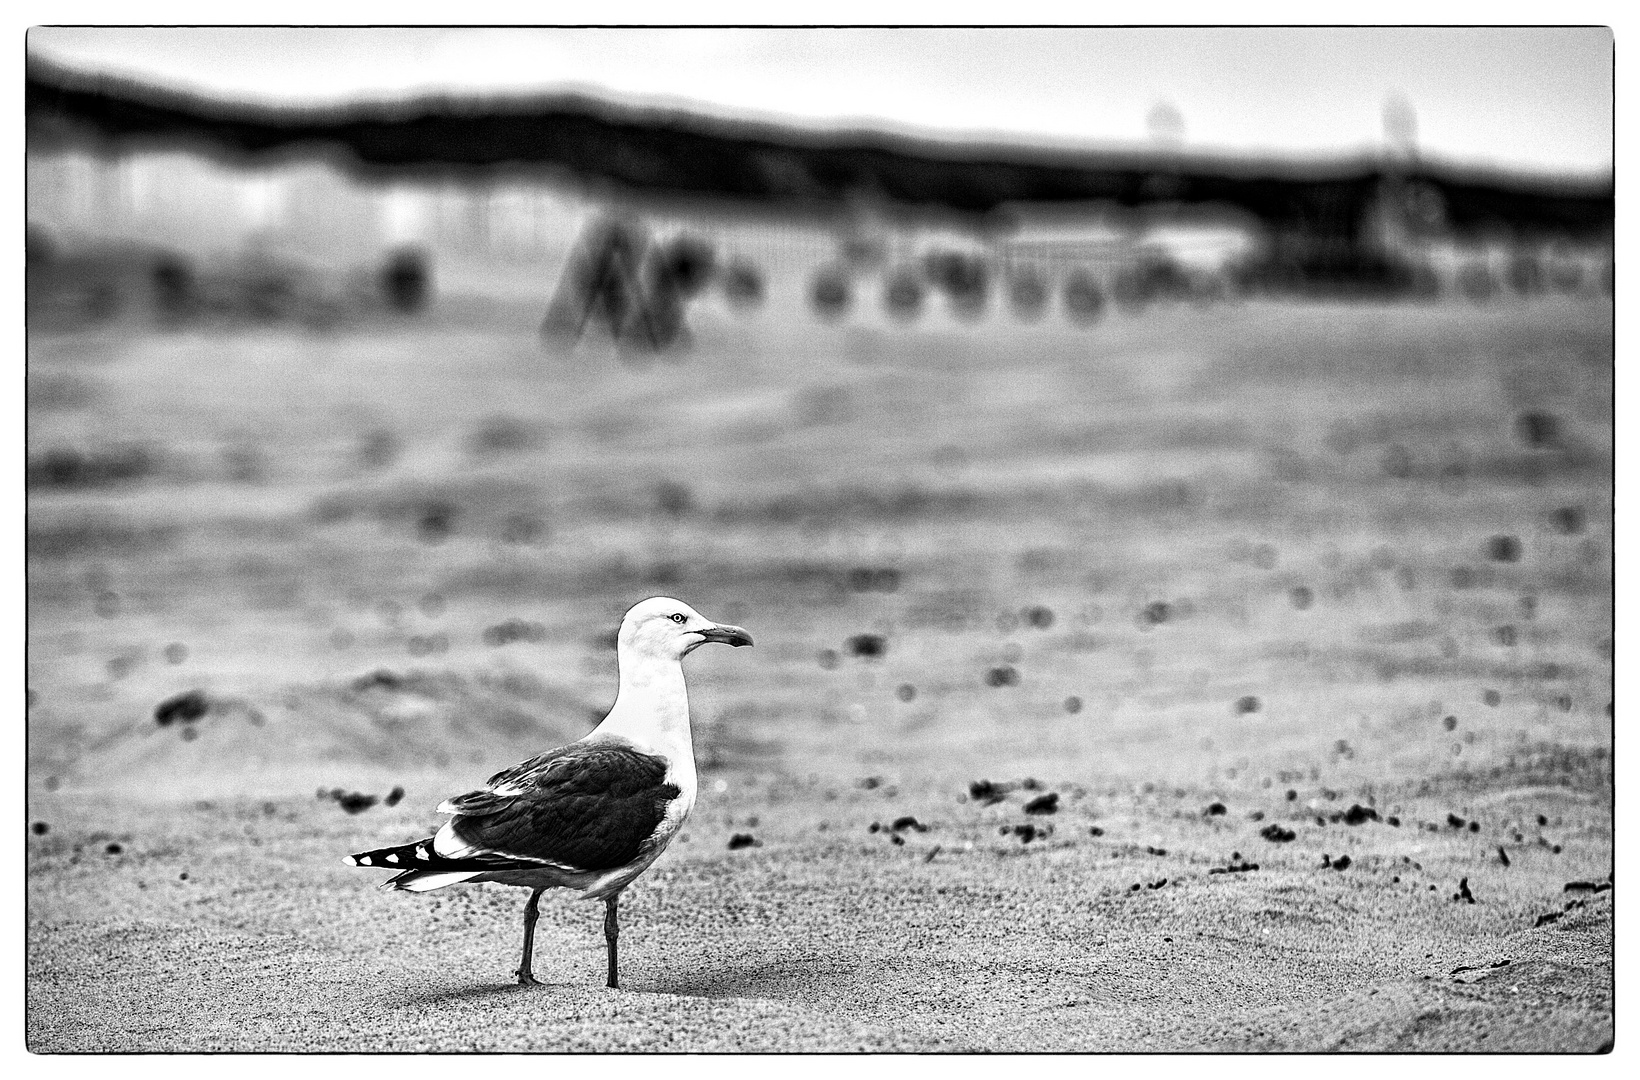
<point x="422" y="868"/>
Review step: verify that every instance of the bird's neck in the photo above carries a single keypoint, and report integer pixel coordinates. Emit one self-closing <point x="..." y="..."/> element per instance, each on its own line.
<point x="651" y="707"/>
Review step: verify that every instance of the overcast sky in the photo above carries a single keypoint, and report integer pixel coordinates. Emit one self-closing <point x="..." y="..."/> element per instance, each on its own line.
<point x="1539" y="98"/>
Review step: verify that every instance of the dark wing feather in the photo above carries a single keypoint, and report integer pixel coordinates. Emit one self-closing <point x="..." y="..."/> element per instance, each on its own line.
<point x="589" y="806"/>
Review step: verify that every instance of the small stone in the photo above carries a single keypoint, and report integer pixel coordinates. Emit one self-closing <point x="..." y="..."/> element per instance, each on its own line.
<point x="186" y="707"/>
<point x="1503" y="548"/>
<point x="1044" y="804"/>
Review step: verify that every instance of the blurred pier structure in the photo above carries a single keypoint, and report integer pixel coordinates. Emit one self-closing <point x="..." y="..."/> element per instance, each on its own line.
<point x="141" y="198"/>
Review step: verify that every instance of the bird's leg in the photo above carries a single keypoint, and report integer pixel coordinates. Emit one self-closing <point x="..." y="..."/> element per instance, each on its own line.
<point x="611" y="933"/>
<point x="531" y="908"/>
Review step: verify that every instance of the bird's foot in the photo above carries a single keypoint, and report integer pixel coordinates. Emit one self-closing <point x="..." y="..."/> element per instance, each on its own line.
<point x="526" y="979"/>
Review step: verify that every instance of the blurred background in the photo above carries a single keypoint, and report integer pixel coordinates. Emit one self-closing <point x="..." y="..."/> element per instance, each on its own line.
<point x="1177" y="405"/>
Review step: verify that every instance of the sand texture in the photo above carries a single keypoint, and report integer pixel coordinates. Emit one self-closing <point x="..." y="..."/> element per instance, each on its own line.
<point x="1282" y="633"/>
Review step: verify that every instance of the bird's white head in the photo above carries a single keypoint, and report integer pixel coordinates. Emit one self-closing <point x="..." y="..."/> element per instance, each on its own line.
<point x="669" y="629"/>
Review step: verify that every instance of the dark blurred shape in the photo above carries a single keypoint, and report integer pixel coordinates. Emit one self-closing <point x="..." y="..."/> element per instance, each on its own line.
<point x="829" y="293"/>
<point x="874" y="646"/>
<point x="378" y="448"/>
<point x="1503" y="548"/>
<point x="1073" y="704"/>
<point x="685" y="264"/>
<point x="355" y="802"/>
<point x="1155" y="613"/>
<point x="1027" y="292"/>
<point x="741" y="840"/>
<point x="523" y="529"/>
<point x="1247" y="704"/>
<point x="1216" y="809"/>
<point x="988" y="791"/>
<point x="407" y="280"/>
<point x="1039" y="617"/>
<point x="674" y="499"/>
<point x="906" y="692"/>
<point x="186" y="707"/>
<point x="742" y="284"/>
<point x="39" y="828"/>
<point x="393" y="796"/>
<point x="903" y="294"/>
<point x="828" y="658"/>
<point x="437" y="521"/>
<point x="176" y="296"/>
<point x="963" y="278"/>
<point x="1476" y="282"/>
<point x="1358" y="815"/>
<point x="66" y="467"/>
<point x="39" y="247"/>
<point x="1276" y="834"/>
<point x="1084" y="300"/>
<point x="1492" y="698"/>
<point x="1569" y="519"/>
<point x="1301" y="597"/>
<point x="514" y="630"/>
<point x="1525" y="273"/>
<point x="1044" y="804"/>
<point x="1005" y="675"/>
<point x="1155" y="277"/>
<point x="629" y="288"/>
<point x="1537" y="429"/>
<point x="501" y="435"/>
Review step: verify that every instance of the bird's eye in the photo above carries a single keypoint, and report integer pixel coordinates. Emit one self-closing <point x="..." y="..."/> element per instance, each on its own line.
<point x="678" y="619"/>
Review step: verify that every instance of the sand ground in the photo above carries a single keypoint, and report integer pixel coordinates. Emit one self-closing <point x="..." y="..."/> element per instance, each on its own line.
<point x="1284" y="568"/>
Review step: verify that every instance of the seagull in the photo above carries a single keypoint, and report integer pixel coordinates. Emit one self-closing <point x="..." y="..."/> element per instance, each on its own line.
<point x="591" y="815"/>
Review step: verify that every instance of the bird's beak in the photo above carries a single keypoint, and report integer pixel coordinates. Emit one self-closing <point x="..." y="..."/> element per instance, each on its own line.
<point x="728" y="635"/>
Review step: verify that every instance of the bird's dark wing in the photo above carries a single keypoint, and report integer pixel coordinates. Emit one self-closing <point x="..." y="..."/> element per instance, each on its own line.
<point x="586" y="806"/>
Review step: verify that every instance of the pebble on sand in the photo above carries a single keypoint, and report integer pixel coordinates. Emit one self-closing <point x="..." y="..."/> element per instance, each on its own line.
<point x="355" y="802"/>
<point x="186" y="707"/>
<point x="1044" y="804"/>
<point x="1006" y="675"/>
<point x="872" y="646"/>
<point x="742" y="840"/>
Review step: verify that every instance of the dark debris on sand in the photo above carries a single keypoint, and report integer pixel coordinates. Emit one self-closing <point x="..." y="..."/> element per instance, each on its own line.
<point x="1044" y="804"/>
<point x="872" y="646"/>
<point x="186" y="707"/>
<point x="354" y="802"/>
